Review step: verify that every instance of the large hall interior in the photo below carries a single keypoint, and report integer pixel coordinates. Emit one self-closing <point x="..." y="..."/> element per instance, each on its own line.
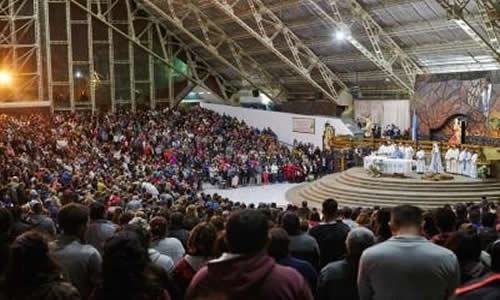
<point x="245" y="149"/>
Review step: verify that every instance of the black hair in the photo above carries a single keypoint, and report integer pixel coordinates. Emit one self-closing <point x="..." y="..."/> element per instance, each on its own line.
<point x="445" y="219"/>
<point x="278" y="244"/>
<point x="71" y="217"/>
<point x="330" y="207"/>
<point x="406" y="215"/>
<point x="291" y="223"/>
<point x="97" y="211"/>
<point x="488" y="220"/>
<point x="246" y="231"/>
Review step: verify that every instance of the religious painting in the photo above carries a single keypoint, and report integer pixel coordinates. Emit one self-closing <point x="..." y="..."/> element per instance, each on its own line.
<point x="304" y="125"/>
<point x="441" y="100"/>
<point x="328" y="137"/>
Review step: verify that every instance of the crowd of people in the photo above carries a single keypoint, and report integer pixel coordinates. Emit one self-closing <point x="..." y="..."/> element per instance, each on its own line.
<point x="111" y="207"/>
<point x="168" y="152"/>
<point x="213" y="248"/>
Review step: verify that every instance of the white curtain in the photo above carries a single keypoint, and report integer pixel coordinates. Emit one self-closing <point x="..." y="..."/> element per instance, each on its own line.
<point x="384" y="112"/>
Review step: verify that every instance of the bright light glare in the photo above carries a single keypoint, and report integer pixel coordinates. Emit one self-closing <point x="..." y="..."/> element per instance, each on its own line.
<point x="340" y="35"/>
<point x="266" y="100"/>
<point x="5" y="77"/>
<point x="78" y="74"/>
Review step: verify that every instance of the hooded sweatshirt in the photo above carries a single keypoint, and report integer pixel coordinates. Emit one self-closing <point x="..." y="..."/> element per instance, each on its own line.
<point x="248" y="277"/>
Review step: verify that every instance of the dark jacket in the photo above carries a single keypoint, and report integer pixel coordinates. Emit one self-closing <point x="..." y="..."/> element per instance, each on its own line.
<point x="486" y="288"/>
<point x="242" y="278"/>
<point x="331" y="240"/>
<point x="337" y="281"/>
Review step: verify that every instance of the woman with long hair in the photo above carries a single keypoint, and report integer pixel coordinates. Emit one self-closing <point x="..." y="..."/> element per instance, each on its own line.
<point x="127" y="272"/>
<point x="33" y="274"/>
<point x="200" y="250"/>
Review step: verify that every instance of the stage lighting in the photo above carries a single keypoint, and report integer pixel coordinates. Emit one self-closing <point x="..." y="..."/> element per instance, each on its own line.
<point x="340" y="35"/>
<point x="5" y="78"/>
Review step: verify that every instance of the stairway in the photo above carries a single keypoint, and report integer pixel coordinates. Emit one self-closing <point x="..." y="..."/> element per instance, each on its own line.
<point x="355" y="188"/>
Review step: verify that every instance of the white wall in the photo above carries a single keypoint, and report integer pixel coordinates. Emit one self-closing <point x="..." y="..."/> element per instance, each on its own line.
<point x="280" y="123"/>
<point x="384" y="112"/>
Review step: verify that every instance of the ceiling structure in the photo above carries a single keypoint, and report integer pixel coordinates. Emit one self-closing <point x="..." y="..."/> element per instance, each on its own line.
<point x="290" y="49"/>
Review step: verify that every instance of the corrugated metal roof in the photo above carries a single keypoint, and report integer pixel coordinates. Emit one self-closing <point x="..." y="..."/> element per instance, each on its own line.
<point x="420" y="27"/>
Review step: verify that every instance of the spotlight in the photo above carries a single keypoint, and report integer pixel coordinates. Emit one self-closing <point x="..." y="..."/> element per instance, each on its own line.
<point x="5" y="78"/>
<point x="340" y="35"/>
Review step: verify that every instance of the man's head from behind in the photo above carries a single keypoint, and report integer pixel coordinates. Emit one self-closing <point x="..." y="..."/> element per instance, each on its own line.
<point x="406" y="218"/>
<point x="445" y="219"/>
<point x="247" y="232"/>
<point x="73" y="219"/>
<point x="358" y="240"/>
<point x="330" y="208"/>
<point x="97" y="211"/>
<point x="291" y="223"/>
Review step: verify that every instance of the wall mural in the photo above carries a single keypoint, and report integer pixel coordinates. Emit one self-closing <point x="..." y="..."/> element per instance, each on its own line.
<point x="473" y="98"/>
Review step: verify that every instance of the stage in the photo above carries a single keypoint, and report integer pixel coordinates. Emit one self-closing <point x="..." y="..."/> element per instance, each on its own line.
<point x="355" y="187"/>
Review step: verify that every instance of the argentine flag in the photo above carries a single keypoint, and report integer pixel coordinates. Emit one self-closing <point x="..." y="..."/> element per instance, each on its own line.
<point x="414" y="126"/>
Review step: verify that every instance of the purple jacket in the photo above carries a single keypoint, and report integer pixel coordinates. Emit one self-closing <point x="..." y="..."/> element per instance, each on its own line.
<point x="256" y="277"/>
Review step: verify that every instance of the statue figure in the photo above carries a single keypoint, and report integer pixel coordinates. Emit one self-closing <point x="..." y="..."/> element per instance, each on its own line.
<point x="436" y="164"/>
<point x="456" y="138"/>
<point x="368" y="127"/>
<point x="328" y="137"/>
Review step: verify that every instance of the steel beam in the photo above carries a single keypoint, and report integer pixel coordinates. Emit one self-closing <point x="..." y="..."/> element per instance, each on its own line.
<point x="385" y="53"/>
<point x="220" y="45"/>
<point x="457" y="12"/>
<point x="135" y="39"/>
<point x="304" y="61"/>
<point x="20" y="39"/>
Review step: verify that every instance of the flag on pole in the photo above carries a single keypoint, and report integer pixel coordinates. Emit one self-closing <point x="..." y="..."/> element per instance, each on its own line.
<point x="414" y="127"/>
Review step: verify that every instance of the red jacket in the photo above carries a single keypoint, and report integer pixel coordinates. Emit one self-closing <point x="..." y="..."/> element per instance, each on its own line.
<point x="245" y="278"/>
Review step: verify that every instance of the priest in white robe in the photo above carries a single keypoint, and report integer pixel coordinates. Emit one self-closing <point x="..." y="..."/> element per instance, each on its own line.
<point x="409" y="152"/>
<point x="448" y="158"/>
<point x="473" y="165"/>
<point x="382" y="150"/>
<point x="390" y="149"/>
<point x="455" y="168"/>
<point x="462" y="162"/>
<point x="468" y="158"/>
<point x="436" y="164"/>
<point x="420" y="161"/>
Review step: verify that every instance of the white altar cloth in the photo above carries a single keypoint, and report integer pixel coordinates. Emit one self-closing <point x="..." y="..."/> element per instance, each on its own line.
<point x="390" y="165"/>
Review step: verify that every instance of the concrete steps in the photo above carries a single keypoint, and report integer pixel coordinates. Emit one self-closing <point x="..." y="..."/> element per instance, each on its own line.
<point x="356" y="188"/>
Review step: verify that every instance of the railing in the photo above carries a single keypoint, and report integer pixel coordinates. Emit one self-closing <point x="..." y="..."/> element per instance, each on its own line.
<point x="353" y="142"/>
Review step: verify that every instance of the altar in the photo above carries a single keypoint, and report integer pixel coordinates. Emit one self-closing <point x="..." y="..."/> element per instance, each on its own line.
<point x="389" y="165"/>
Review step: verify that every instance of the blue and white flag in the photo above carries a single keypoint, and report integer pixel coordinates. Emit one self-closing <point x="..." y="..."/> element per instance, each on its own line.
<point x="414" y="126"/>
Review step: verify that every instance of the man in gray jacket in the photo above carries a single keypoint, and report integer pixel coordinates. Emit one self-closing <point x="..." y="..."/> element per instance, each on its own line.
<point x="407" y="266"/>
<point x="81" y="263"/>
<point x="99" y="229"/>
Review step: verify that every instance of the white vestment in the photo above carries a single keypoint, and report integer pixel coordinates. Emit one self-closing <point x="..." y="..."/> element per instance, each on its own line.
<point x="468" y="158"/>
<point x="436" y="164"/>
<point x="454" y="161"/>
<point x="421" y="161"/>
<point x="382" y="150"/>
<point x="462" y="162"/>
<point x="447" y="158"/>
<point x="409" y="152"/>
<point x="390" y="150"/>
<point x="473" y="165"/>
